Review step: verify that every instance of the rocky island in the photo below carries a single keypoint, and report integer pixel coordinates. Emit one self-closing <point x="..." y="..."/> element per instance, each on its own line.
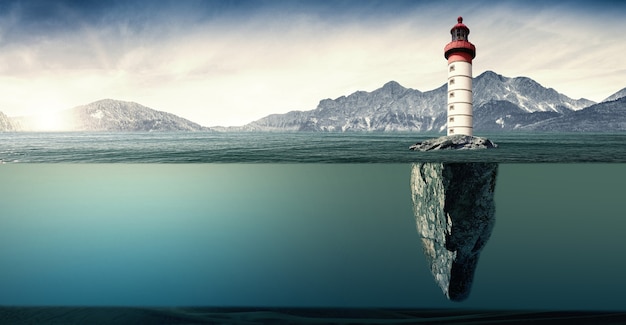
<point x="454" y="209"/>
<point x="458" y="141"/>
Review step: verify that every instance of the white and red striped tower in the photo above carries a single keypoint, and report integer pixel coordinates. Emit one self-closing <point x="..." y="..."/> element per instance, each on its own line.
<point x="460" y="53"/>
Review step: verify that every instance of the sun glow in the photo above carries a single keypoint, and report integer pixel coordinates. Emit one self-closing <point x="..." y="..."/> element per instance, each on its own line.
<point x="50" y="122"/>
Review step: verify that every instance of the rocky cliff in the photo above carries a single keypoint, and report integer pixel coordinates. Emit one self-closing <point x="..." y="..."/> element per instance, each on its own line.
<point x="454" y="210"/>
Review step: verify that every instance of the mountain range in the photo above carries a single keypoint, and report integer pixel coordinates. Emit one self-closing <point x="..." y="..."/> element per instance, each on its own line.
<point x="6" y="124"/>
<point x="107" y="115"/>
<point x="500" y="104"/>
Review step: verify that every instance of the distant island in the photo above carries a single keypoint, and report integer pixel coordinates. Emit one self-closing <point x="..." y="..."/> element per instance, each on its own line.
<point x="501" y="104"/>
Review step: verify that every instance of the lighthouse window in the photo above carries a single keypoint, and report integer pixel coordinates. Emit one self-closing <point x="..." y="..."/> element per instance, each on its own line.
<point x="452" y="67"/>
<point x="451" y="131"/>
<point x="451" y="107"/>
<point x="451" y="81"/>
<point x="451" y="94"/>
<point x="451" y="119"/>
<point x="459" y="35"/>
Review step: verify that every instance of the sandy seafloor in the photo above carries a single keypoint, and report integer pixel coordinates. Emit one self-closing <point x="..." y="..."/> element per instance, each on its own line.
<point x="212" y="315"/>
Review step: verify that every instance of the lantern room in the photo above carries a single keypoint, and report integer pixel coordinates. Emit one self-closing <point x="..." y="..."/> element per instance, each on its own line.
<point x="459" y="31"/>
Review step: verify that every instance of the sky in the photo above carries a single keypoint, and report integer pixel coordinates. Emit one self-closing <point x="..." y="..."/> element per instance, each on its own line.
<point x="230" y="62"/>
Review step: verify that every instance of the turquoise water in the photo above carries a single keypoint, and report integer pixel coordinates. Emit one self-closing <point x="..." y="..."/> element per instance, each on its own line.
<point x="287" y="234"/>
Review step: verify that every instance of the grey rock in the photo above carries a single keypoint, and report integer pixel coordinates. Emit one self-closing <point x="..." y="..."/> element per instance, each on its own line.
<point x="454" y="210"/>
<point x="454" y="142"/>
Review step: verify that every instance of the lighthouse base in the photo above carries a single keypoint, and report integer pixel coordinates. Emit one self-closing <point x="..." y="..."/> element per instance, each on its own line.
<point x="454" y="142"/>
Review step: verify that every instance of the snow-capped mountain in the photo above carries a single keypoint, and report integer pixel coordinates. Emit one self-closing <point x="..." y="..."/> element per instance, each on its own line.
<point x="601" y="117"/>
<point x="6" y="123"/>
<point x="390" y="108"/>
<point x="502" y="115"/>
<point x="500" y="103"/>
<point x="523" y="92"/>
<point x="621" y="93"/>
<point x="114" y="115"/>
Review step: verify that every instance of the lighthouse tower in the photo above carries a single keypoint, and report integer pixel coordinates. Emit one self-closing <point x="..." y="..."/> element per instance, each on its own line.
<point x="459" y="53"/>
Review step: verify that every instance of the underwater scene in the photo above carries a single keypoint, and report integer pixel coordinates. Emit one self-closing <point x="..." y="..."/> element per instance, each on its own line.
<point x="296" y="242"/>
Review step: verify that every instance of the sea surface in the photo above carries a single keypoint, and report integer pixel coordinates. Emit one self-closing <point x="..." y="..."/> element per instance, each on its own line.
<point x="295" y="147"/>
<point x="295" y="220"/>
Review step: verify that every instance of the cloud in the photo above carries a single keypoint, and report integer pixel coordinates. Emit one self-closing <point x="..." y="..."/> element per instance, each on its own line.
<point x="231" y="62"/>
<point x="242" y="70"/>
<point x="570" y="50"/>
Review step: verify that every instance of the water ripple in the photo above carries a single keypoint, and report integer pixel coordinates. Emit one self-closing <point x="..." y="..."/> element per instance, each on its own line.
<point x="300" y="147"/>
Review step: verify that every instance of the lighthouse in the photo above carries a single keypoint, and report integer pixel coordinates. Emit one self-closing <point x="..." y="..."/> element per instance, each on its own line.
<point x="459" y="53"/>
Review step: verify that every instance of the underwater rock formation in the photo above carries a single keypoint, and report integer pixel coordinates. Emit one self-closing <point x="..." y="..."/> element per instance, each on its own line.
<point x="454" y="210"/>
<point x="454" y="142"/>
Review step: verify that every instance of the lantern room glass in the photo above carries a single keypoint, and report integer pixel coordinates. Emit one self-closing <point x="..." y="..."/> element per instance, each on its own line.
<point x="459" y="34"/>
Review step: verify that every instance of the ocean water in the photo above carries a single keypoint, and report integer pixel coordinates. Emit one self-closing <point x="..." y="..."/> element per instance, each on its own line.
<point x="292" y="220"/>
<point x="209" y="147"/>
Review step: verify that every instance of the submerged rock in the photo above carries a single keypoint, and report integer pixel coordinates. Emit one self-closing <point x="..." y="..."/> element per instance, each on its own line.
<point x="454" y="142"/>
<point x="454" y="210"/>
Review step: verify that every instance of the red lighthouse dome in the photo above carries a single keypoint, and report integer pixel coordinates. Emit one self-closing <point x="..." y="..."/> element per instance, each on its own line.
<point x="460" y="49"/>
